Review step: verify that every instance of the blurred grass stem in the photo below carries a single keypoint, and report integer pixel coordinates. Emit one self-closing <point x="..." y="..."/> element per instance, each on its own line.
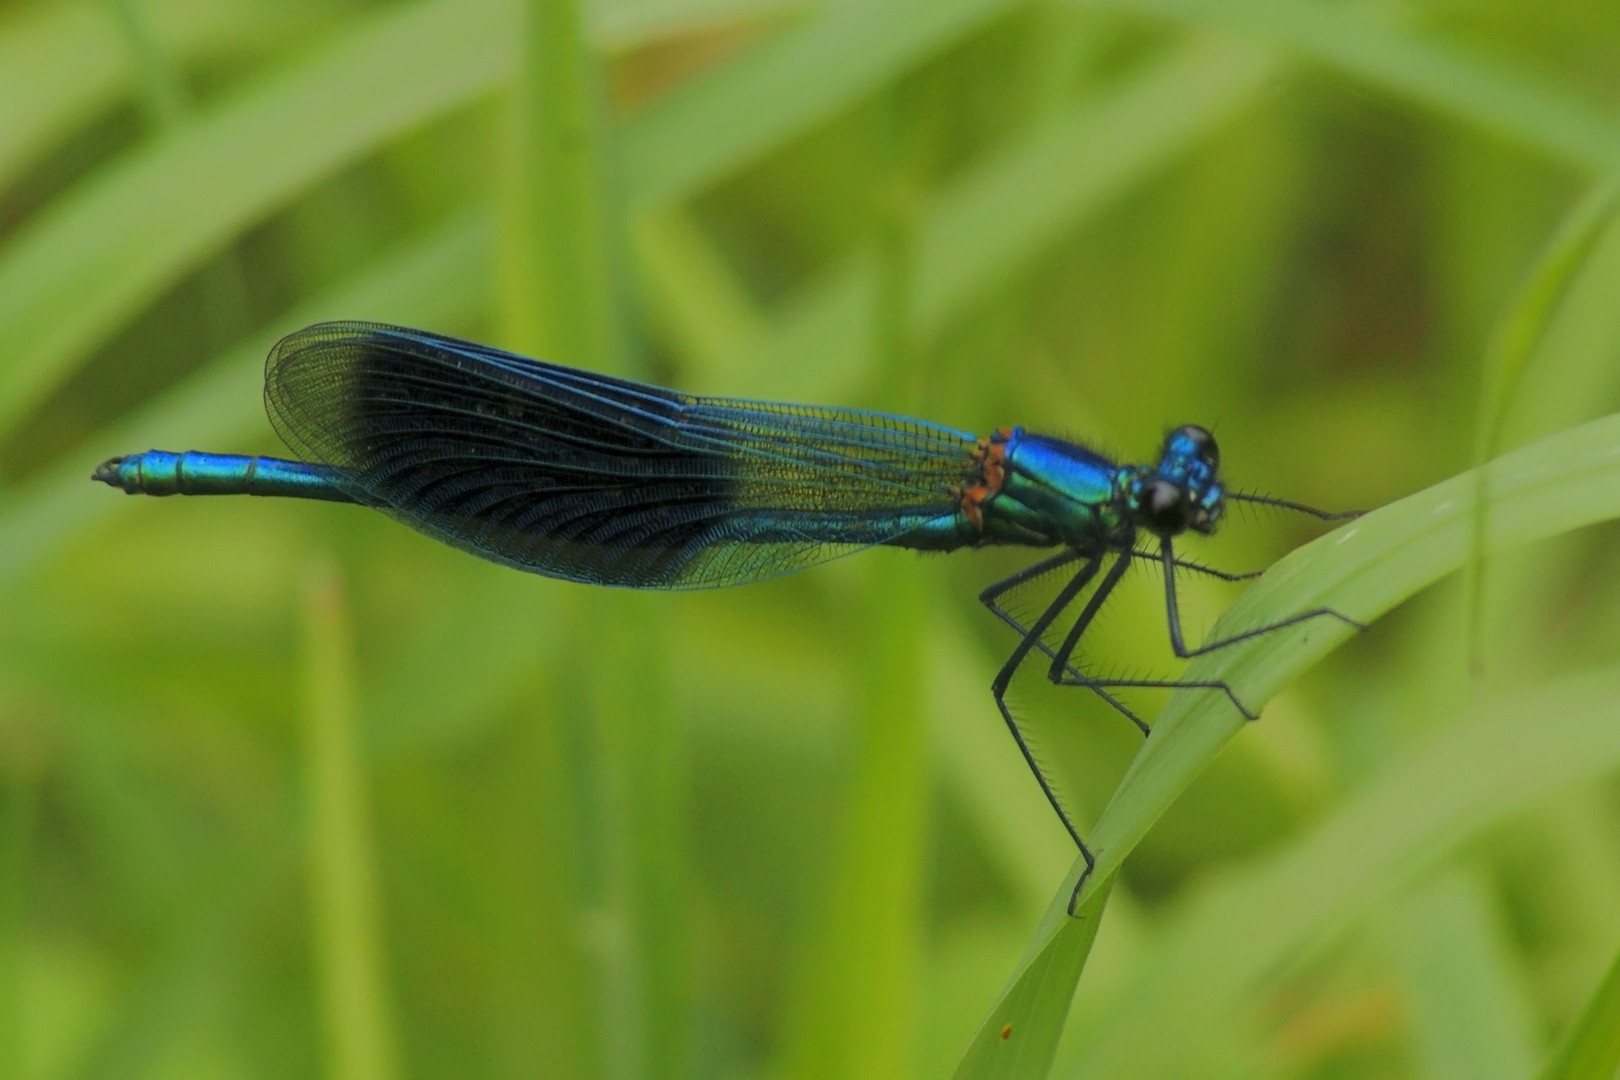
<point x="563" y="252"/>
<point x="356" y="1017"/>
<point x="1508" y="355"/>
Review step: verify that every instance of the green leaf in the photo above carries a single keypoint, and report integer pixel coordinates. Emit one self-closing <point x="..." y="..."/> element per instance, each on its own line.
<point x="710" y="126"/>
<point x="1240" y="942"/>
<point x="623" y="24"/>
<point x="1516" y="337"/>
<point x="79" y="269"/>
<point x="561" y="236"/>
<point x="1083" y="158"/>
<point x="345" y="911"/>
<point x="63" y="64"/>
<point x="1439" y="77"/>
<point x="1472" y="1018"/>
<point x="1363" y="569"/>
<point x="437" y="278"/>
<point x="1002" y="213"/>
<point x="1020" y="1036"/>
<point x="1590" y="1049"/>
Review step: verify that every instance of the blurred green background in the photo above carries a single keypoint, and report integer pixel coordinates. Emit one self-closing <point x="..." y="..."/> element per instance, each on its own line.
<point x="287" y="790"/>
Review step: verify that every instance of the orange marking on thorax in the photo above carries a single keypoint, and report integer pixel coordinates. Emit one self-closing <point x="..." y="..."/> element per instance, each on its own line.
<point x="987" y="472"/>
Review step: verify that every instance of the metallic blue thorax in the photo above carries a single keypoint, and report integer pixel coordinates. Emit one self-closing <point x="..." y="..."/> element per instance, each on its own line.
<point x="1036" y="490"/>
<point x="1053" y="492"/>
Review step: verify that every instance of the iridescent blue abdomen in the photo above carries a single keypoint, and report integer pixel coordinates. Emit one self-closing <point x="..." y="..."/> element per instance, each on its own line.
<point x="192" y="472"/>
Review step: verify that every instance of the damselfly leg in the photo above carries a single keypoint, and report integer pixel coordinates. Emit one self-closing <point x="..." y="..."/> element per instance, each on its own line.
<point x="1032" y="639"/>
<point x="1062" y="670"/>
<point x="1172" y="612"/>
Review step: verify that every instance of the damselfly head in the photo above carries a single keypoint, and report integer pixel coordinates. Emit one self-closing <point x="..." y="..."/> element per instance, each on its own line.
<point x="1181" y="492"/>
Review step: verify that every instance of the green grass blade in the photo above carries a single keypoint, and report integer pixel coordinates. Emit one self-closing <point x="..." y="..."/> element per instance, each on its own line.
<point x="436" y="279"/>
<point x="1496" y="758"/>
<point x="1590" y="1049"/>
<point x="1439" y="77"/>
<point x="1082" y="158"/>
<point x="356" y="1017"/>
<point x="702" y="310"/>
<point x="854" y="1011"/>
<point x="999" y="215"/>
<point x="623" y="24"/>
<point x="1019" y="1038"/>
<point x="63" y="64"/>
<point x="79" y="269"/>
<point x="563" y="244"/>
<point x="1472" y="1019"/>
<point x="643" y="755"/>
<point x="859" y="996"/>
<point x="1525" y="323"/>
<point x="697" y="133"/>
<point x="559" y="293"/>
<point x="1363" y="569"/>
<point x="1508" y="353"/>
<point x="18" y="820"/>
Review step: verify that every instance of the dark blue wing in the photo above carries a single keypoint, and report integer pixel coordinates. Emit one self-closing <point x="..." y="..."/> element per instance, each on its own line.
<point x="592" y="478"/>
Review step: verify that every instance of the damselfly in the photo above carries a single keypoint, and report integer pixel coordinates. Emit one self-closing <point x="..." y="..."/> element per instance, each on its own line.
<point x="596" y="479"/>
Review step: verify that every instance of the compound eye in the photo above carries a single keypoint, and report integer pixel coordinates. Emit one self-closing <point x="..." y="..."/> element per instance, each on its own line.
<point x="1203" y="444"/>
<point x="1165" y="507"/>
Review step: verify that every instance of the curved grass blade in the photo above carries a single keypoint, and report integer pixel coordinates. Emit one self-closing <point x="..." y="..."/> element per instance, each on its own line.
<point x="1240" y="942"/>
<point x="61" y="65"/>
<point x="80" y="269"/>
<point x="1439" y="77"/>
<point x="984" y="226"/>
<point x="436" y="277"/>
<point x="691" y="136"/>
<point x="76" y="271"/>
<point x="1455" y="962"/>
<point x="1021" y="1033"/>
<point x="1590" y="1050"/>
<point x="1507" y="356"/>
<point x="1363" y="569"/>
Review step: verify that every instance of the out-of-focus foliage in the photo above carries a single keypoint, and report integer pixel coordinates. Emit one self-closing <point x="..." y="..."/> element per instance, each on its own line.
<point x="288" y="790"/>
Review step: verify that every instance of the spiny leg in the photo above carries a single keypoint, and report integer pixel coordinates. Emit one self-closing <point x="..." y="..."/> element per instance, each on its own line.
<point x="991" y="595"/>
<point x="1029" y="573"/>
<point x="1072" y="677"/>
<point x="998" y="689"/>
<point x="1064" y="673"/>
<point x="1200" y="568"/>
<point x="1061" y="672"/>
<point x="1173" y="615"/>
